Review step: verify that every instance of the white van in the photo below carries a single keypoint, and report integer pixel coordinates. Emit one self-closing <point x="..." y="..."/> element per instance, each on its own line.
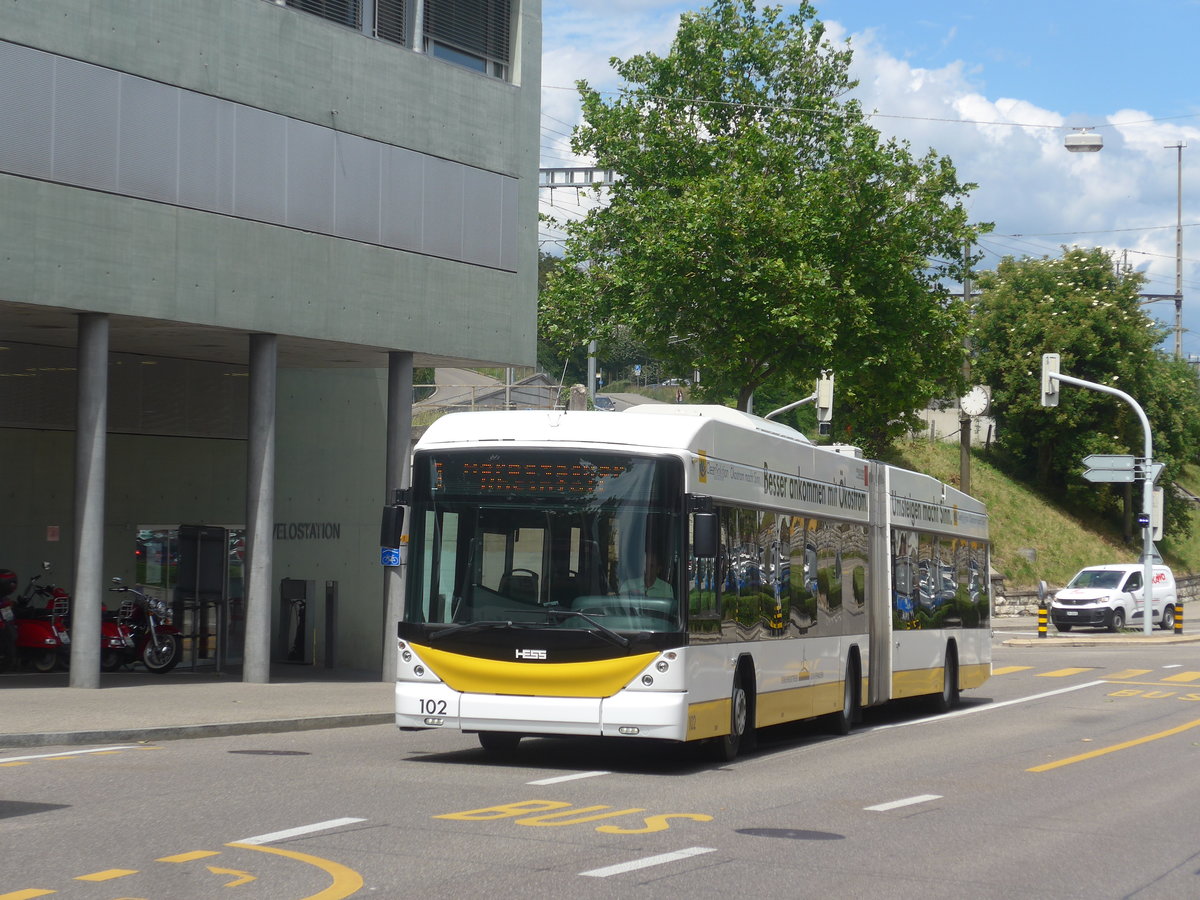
<point x="1111" y="596"/>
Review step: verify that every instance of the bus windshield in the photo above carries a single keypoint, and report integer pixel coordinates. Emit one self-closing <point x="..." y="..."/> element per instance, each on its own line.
<point x="525" y="538"/>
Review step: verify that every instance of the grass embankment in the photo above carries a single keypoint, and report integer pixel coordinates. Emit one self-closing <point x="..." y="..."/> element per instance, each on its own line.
<point x="1034" y="539"/>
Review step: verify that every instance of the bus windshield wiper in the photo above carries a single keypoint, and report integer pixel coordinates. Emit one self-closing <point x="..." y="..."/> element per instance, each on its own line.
<point x="482" y="625"/>
<point x="600" y="628"/>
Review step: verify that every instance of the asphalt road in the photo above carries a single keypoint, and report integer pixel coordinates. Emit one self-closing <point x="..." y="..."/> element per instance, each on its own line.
<point x="1071" y="773"/>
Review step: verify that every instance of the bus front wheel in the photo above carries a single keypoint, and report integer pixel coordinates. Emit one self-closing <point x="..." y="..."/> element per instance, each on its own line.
<point x="729" y="746"/>
<point x="499" y="743"/>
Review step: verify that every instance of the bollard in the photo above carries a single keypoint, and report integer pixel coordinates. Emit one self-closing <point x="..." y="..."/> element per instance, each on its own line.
<point x="1179" y="617"/>
<point x="1043" y="615"/>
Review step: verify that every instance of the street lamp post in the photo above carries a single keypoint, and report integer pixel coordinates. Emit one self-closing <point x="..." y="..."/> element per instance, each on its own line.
<point x="1084" y="140"/>
<point x="1178" y="148"/>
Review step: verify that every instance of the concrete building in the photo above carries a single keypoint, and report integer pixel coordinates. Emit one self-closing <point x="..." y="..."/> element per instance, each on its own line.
<point x="228" y="231"/>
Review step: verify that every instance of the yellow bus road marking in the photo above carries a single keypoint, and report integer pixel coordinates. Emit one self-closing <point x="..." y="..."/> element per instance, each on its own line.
<point x="345" y="880"/>
<point x="1046" y="767"/>
<point x="1065" y="673"/>
<point x="1128" y="673"/>
<point x="189" y="857"/>
<point x="242" y="877"/>
<point x="1008" y="670"/>
<point x="106" y="875"/>
<point x="1183" y="677"/>
<point x="557" y="813"/>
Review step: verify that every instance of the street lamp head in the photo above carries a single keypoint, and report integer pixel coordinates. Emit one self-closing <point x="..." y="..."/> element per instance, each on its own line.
<point x="1083" y="141"/>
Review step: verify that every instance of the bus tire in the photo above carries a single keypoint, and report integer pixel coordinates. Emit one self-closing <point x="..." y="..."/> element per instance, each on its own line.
<point x="729" y="746"/>
<point x="842" y="721"/>
<point x="948" y="698"/>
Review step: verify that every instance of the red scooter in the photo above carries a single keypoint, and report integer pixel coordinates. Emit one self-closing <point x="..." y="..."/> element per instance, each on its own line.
<point x="140" y="631"/>
<point x="40" y="614"/>
<point x="8" y="620"/>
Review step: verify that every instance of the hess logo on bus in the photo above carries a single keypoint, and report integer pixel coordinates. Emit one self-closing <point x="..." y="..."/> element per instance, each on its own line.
<point x="531" y="654"/>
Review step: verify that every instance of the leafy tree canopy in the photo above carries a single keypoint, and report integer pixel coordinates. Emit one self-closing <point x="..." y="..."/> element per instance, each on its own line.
<point x="1081" y="307"/>
<point x="761" y="230"/>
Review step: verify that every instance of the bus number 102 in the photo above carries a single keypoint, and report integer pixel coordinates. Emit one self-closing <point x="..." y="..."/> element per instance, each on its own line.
<point x="433" y="707"/>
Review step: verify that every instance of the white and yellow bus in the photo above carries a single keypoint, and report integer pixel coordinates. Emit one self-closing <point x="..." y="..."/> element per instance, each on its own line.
<point x="685" y="573"/>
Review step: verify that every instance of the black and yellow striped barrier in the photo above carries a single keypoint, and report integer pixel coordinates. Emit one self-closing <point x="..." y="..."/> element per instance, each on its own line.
<point x="1179" y="617"/>
<point x="1043" y="617"/>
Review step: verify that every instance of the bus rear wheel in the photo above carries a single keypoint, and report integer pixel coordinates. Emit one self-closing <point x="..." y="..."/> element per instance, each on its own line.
<point x="842" y="722"/>
<point x="948" y="698"/>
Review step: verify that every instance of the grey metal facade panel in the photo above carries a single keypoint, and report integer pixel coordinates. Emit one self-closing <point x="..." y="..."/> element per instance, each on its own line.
<point x="310" y="165"/>
<point x="86" y="109"/>
<point x="202" y="153"/>
<point x="148" y="156"/>
<point x="358" y="188"/>
<point x="260" y="159"/>
<point x="483" y="206"/>
<point x="26" y="111"/>
<point x="87" y="126"/>
<point x="402" y="218"/>
<point x="508" y="236"/>
<point x="442" y="199"/>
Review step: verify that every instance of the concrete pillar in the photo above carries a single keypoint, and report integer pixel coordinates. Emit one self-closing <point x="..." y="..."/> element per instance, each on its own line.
<point x="397" y="472"/>
<point x="260" y="507"/>
<point x="91" y="437"/>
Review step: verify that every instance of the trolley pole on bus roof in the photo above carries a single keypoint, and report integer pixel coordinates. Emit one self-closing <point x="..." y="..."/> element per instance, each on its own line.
<point x="1146" y="466"/>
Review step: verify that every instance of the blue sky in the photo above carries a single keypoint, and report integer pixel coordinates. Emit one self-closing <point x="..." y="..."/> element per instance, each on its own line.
<point x="941" y="74"/>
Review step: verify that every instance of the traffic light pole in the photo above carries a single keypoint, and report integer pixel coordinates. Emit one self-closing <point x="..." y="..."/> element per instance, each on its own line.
<point x="1050" y="374"/>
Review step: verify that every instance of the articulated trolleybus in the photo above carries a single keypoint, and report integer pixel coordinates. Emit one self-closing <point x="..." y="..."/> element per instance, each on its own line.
<point x="684" y="573"/>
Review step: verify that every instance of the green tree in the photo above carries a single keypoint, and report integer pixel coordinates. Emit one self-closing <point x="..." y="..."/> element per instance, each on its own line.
<point x="761" y="230"/>
<point x="1081" y="307"/>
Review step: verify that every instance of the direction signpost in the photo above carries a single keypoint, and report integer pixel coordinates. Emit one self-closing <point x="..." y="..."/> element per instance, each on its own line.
<point x="1101" y="467"/>
<point x="1052" y="378"/>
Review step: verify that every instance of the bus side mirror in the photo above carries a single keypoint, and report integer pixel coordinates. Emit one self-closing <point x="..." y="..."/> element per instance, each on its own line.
<point x="704" y="535"/>
<point x="392" y="526"/>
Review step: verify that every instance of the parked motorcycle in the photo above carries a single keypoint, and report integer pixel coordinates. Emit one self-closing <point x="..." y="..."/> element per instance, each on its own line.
<point x="144" y="632"/>
<point x="41" y="614"/>
<point x="8" y="623"/>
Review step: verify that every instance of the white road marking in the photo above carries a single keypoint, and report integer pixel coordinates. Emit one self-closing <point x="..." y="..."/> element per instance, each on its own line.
<point x="636" y="864"/>
<point x="296" y="832"/>
<point x="986" y="708"/>
<point x="12" y="759"/>
<point x="908" y="801"/>
<point x="1174" y="666"/>
<point x="561" y="778"/>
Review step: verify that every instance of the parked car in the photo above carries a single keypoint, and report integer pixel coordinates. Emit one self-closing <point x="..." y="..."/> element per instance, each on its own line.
<point x="605" y="404"/>
<point x="1111" y="596"/>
